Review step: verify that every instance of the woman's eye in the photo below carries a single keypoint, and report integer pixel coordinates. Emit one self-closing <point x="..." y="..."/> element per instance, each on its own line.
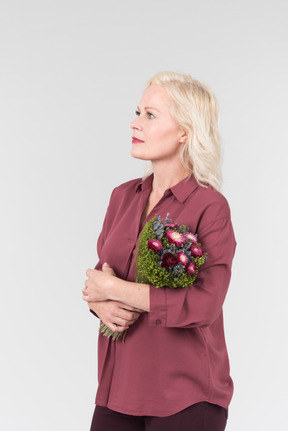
<point x="149" y="115"/>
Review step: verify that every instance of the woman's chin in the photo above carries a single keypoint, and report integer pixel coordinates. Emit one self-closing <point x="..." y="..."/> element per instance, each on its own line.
<point x="138" y="154"/>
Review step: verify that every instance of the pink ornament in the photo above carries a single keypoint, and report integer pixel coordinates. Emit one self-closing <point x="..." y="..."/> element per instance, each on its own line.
<point x="182" y="258"/>
<point x="175" y="237"/>
<point x="191" y="268"/>
<point x="168" y="260"/>
<point x="155" y="245"/>
<point x="190" y="236"/>
<point x="196" y="251"/>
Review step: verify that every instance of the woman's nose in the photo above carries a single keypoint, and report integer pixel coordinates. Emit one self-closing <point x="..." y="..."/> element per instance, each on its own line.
<point x="135" y="124"/>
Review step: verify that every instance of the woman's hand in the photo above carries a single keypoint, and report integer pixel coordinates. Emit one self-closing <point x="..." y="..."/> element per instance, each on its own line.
<point x="97" y="283"/>
<point x="115" y="312"/>
<point x="104" y="285"/>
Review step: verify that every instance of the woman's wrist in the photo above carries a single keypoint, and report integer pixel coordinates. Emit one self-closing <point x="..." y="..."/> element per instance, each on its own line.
<point x="128" y="292"/>
<point x="110" y="288"/>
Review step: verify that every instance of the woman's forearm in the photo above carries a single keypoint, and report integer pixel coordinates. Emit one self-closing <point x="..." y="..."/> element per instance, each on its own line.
<point x="134" y="294"/>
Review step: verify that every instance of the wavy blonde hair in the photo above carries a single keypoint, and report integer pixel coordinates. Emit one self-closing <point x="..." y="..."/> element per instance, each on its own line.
<point x="195" y="109"/>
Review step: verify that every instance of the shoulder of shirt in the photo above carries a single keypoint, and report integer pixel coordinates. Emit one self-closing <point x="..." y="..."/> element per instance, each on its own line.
<point x="131" y="184"/>
<point x="127" y="187"/>
<point x="213" y="200"/>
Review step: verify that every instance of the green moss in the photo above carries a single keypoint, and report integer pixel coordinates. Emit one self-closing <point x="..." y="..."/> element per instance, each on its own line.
<point x="148" y="268"/>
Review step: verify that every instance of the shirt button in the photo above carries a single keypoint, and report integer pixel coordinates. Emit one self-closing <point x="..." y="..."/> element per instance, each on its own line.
<point x="158" y="322"/>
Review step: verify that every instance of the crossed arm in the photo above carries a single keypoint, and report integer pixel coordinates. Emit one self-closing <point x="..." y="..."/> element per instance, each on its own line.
<point x="114" y="300"/>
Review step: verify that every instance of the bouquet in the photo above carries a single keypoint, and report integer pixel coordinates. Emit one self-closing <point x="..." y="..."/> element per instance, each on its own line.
<point x="167" y="255"/>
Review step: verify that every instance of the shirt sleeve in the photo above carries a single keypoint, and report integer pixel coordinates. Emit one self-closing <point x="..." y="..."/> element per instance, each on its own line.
<point x="101" y="240"/>
<point x="103" y="233"/>
<point x="201" y="303"/>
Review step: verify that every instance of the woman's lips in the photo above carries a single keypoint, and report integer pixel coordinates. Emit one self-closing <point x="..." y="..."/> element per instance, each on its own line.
<point x="136" y="140"/>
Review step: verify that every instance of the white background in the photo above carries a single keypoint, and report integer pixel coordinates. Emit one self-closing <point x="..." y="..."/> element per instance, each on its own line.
<point x="72" y="74"/>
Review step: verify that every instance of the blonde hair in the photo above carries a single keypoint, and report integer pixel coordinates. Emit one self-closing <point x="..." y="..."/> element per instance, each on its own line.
<point x="195" y="109"/>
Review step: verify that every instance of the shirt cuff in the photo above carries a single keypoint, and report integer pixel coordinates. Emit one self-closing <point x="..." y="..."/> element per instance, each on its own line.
<point x="157" y="315"/>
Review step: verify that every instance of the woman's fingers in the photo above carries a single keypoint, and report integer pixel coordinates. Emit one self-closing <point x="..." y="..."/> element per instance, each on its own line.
<point x="118" y="322"/>
<point x="128" y="316"/>
<point x="122" y="322"/>
<point x="114" y="327"/>
<point x="115" y="309"/>
<point x="137" y="310"/>
<point x="106" y="267"/>
<point x="113" y="313"/>
<point x="124" y="318"/>
<point x="128" y="307"/>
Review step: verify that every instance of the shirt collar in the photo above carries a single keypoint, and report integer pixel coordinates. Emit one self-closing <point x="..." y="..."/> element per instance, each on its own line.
<point x="180" y="190"/>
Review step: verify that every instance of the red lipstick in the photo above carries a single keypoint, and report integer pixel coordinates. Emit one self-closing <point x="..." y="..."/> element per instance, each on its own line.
<point x="136" y="140"/>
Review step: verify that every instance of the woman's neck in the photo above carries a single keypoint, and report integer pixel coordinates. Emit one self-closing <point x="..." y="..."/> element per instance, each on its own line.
<point x="165" y="176"/>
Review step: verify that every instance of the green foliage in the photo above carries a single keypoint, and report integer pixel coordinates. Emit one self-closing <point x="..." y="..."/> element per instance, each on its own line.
<point x="148" y="268"/>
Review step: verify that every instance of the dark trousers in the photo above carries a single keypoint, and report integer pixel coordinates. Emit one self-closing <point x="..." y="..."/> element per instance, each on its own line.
<point x="198" y="417"/>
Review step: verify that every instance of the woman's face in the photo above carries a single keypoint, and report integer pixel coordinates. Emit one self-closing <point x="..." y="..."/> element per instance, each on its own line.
<point x="156" y="135"/>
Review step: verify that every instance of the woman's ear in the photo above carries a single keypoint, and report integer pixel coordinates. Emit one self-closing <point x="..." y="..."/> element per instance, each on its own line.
<point x="183" y="137"/>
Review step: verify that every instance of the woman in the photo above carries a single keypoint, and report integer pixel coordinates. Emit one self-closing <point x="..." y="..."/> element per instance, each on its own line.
<point x="172" y="372"/>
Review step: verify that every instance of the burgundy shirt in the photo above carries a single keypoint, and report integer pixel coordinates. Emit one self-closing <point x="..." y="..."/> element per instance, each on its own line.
<point x="175" y="355"/>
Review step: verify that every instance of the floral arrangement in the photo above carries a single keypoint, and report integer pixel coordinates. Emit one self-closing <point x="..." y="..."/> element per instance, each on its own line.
<point x="167" y="255"/>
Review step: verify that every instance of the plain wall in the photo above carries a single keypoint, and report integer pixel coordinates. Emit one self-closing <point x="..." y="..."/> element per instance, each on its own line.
<point x="71" y="76"/>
